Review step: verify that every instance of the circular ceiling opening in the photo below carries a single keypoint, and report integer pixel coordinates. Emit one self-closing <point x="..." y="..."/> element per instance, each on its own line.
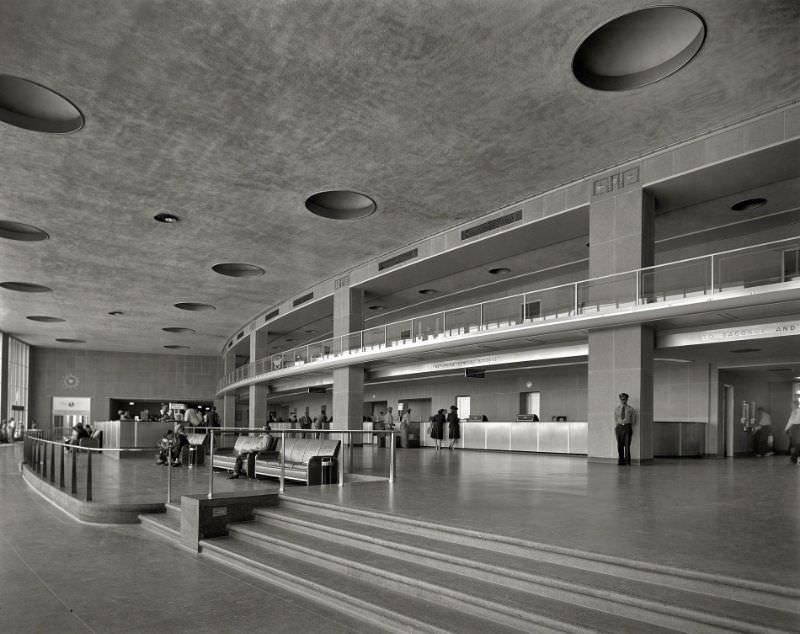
<point x="168" y="218"/>
<point x="45" y="318"/>
<point x="427" y="291"/>
<point x="29" y="105"/>
<point x="116" y="313"/>
<point x="341" y="205"/>
<point x="20" y="231"/>
<point x="179" y="329"/>
<point x="194" y="306"/>
<point x="173" y="346"/>
<point x="70" y="341"/>
<point x="750" y="203"/>
<point x="377" y="307"/>
<point x="238" y="269"/>
<point x="500" y="270"/>
<point x="25" y="287"/>
<point x="639" y="48"/>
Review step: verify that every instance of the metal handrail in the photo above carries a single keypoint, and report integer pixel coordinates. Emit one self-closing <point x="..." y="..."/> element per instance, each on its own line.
<point x="575" y="288"/>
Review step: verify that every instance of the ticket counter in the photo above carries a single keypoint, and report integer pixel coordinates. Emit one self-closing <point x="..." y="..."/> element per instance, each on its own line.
<point x="560" y="437"/>
<point x="131" y="434"/>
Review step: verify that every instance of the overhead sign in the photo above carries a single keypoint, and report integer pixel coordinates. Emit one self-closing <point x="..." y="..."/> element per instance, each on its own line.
<point x="737" y="333"/>
<point x="71" y="404"/>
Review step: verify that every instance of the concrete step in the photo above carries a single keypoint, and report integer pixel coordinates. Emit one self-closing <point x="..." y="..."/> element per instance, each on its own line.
<point x="657" y="605"/>
<point x="379" y="604"/>
<point x="166" y="524"/>
<point x="755" y="593"/>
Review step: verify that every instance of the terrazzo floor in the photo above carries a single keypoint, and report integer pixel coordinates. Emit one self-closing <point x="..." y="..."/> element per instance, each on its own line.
<point x="737" y="517"/>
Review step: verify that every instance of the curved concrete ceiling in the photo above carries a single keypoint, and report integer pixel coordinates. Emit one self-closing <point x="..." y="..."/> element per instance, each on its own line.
<point x="231" y="114"/>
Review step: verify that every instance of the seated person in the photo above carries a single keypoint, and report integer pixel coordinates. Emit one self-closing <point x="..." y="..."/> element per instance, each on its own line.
<point x="242" y="456"/>
<point x="165" y="447"/>
<point x="181" y="441"/>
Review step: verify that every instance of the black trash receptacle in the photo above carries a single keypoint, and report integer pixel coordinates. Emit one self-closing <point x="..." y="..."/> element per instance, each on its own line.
<point x="326" y="470"/>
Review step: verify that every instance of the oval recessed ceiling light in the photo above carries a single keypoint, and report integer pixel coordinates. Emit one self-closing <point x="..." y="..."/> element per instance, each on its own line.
<point x="750" y="203"/>
<point x="167" y="218"/>
<point x="427" y="291"/>
<point x="45" y="318"/>
<point x="116" y="313"/>
<point x="238" y="269"/>
<point x="341" y="205"/>
<point x="25" y="287"/>
<point x="20" y="231"/>
<point x="194" y="306"/>
<point x="179" y="329"/>
<point x="174" y="346"/>
<point x="639" y="48"/>
<point x="309" y="332"/>
<point x="377" y="307"/>
<point x="70" y="341"/>
<point x="26" y="104"/>
<point x="500" y="270"/>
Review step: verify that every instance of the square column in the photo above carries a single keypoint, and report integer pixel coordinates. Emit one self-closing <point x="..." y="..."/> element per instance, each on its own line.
<point x="348" y="383"/>
<point x="257" y="410"/>
<point x="621" y="238"/>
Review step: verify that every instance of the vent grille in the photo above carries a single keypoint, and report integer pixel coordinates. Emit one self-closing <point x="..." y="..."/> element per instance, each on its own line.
<point x="494" y="223"/>
<point x="272" y="314"/>
<point x="397" y="259"/>
<point x="303" y="299"/>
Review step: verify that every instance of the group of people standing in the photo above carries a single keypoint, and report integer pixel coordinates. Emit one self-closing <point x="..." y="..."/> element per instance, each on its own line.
<point x="436" y="427"/>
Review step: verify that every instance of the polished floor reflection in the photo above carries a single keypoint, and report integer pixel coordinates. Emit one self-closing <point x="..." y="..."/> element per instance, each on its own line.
<point x="730" y="517"/>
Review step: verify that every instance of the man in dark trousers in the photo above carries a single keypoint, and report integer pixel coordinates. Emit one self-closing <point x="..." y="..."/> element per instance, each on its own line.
<point x="624" y="419"/>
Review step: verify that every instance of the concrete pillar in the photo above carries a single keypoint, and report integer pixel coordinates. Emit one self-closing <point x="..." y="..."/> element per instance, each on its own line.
<point x="348" y="383"/>
<point x="621" y="228"/>
<point x="257" y="411"/>
<point x="229" y="410"/>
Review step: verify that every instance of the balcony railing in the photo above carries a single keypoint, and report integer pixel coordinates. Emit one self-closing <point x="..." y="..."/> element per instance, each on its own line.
<point x="705" y="276"/>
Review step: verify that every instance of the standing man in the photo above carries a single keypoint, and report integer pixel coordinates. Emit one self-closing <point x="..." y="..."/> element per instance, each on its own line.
<point x="624" y="419"/>
<point x="193" y="418"/>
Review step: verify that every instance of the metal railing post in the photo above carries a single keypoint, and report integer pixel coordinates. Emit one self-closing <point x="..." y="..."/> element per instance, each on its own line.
<point x="169" y="473"/>
<point x="211" y="466"/>
<point x="392" y="451"/>
<point x="74" y="486"/>
<point x="638" y="289"/>
<point x="282" y="480"/>
<point x="61" y="471"/>
<point x="712" y="276"/>
<point x="88" y="475"/>
<point x="44" y="463"/>
<point x="340" y="477"/>
<point x="53" y="463"/>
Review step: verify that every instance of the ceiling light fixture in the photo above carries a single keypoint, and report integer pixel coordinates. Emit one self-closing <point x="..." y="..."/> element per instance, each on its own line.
<point x="70" y="341"/>
<point x="238" y="269"/>
<point x="116" y="313"/>
<point x="427" y="291"/>
<point x="500" y="270"/>
<point x="639" y="48"/>
<point x="377" y="307"/>
<point x="179" y="329"/>
<point x="26" y="104"/>
<point x="749" y="203"/>
<point x="341" y="205"/>
<point x="166" y="218"/>
<point x="20" y="231"/>
<point x="25" y="287"/>
<point x="173" y="346"/>
<point x="194" y="306"/>
<point x="45" y="319"/>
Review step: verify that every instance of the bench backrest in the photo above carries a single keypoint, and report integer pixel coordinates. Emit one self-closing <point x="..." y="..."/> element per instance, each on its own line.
<point x="301" y="450"/>
<point x="251" y="443"/>
<point x="196" y="439"/>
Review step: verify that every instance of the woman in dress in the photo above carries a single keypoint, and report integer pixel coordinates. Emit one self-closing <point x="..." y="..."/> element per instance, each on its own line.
<point x="453" y="428"/>
<point x="437" y="428"/>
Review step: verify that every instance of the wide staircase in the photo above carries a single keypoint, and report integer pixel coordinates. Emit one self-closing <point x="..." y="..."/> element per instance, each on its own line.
<point x="407" y="575"/>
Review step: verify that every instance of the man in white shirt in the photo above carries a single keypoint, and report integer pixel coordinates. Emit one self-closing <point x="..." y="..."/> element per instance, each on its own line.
<point x="624" y="420"/>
